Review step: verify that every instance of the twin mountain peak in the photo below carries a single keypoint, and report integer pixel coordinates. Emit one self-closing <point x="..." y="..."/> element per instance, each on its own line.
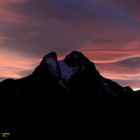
<point x="75" y="75"/>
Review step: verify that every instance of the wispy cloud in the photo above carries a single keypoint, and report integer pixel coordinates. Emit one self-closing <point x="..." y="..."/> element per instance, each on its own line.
<point x="107" y="31"/>
<point x="8" y="14"/>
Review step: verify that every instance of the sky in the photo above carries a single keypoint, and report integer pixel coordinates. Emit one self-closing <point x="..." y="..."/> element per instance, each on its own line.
<point x="106" y="31"/>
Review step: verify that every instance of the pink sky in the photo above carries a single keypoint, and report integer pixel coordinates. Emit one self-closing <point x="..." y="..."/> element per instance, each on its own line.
<point x="106" y="31"/>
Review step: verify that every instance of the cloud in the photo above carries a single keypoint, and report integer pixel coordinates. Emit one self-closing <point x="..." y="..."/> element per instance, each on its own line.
<point x="9" y="2"/>
<point x="107" y="31"/>
<point x="132" y="8"/>
<point x="126" y="72"/>
<point x="9" y="15"/>
<point x="12" y="63"/>
<point x="3" y="39"/>
<point x="110" y="56"/>
<point x="64" y="26"/>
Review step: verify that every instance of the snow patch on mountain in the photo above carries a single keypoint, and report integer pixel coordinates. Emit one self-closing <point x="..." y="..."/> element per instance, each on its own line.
<point x="53" y="65"/>
<point x="66" y="71"/>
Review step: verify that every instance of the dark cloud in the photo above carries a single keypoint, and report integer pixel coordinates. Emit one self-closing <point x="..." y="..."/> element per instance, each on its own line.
<point x="130" y="7"/>
<point x="66" y="25"/>
<point x="133" y="63"/>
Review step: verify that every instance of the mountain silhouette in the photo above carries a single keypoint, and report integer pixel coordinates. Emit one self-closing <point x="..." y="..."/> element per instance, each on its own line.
<point x="75" y="75"/>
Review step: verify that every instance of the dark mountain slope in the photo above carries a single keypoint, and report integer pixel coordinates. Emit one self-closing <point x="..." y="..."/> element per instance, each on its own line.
<point x="73" y="76"/>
